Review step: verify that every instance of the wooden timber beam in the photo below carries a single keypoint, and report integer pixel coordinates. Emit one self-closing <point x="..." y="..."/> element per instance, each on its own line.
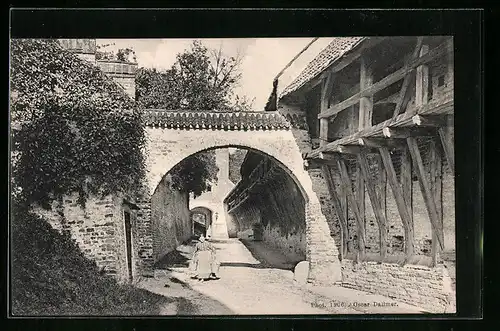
<point x="327" y="158"/>
<point x="344" y="175"/>
<point x="431" y="120"/>
<point x="387" y="81"/>
<point x="406" y="183"/>
<point x="403" y="133"/>
<point x="401" y="203"/>
<point x="375" y="201"/>
<point x="360" y="194"/>
<point x="365" y="102"/>
<point x="326" y="93"/>
<point x="408" y="81"/>
<point x="339" y="209"/>
<point x="436" y="189"/>
<point x="422" y="82"/>
<point x="382" y="142"/>
<point x="449" y="149"/>
<point x="425" y="187"/>
<point x="354" y="149"/>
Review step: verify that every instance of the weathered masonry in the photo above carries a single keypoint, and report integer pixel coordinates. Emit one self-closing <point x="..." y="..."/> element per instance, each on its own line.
<point x="267" y="205"/>
<point x="352" y="169"/>
<point x="379" y="114"/>
<point x="173" y="136"/>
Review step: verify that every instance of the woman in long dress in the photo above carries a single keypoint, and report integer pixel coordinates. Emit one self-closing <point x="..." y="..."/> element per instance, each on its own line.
<point x="204" y="259"/>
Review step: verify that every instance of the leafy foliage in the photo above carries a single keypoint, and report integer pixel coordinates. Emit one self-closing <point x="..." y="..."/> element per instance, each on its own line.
<point x="76" y="129"/>
<point x="51" y="276"/>
<point x="195" y="174"/>
<point x="122" y="55"/>
<point x="200" y="79"/>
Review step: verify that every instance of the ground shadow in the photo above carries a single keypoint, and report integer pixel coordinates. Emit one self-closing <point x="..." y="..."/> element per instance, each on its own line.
<point x="246" y="265"/>
<point x="264" y="259"/>
<point x="172" y="259"/>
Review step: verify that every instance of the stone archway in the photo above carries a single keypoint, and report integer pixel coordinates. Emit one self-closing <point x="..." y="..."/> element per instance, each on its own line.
<point x="197" y="222"/>
<point x="170" y="141"/>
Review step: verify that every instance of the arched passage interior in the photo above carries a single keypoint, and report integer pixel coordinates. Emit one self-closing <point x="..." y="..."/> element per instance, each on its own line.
<point x="274" y="203"/>
<point x="321" y="250"/>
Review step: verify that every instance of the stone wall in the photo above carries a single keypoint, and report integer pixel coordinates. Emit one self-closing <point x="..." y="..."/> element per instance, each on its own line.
<point x="99" y="230"/>
<point x="170" y="221"/>
<point x="122" y="73"/>
<point x="425" y="287"/>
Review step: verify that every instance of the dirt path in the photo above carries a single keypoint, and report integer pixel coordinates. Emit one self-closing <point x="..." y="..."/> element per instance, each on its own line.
<point x="254" y="280"/>
<point x="188" y="301"/>
<point x="248" y="286"/>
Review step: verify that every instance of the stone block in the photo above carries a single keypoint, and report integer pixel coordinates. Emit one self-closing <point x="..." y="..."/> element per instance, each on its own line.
<point x="301" y="272"/>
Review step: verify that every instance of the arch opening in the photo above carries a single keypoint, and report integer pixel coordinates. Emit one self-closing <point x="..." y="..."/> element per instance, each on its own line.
<point x="167" y="147"/>
<point x="279" y="162"/>
<point x="274" y="213"/>
<point x="201" y="219"/>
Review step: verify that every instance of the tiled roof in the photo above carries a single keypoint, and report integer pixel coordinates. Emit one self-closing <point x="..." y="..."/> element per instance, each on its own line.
<point x="215" y="120"/>
<point x="336" y="49"/>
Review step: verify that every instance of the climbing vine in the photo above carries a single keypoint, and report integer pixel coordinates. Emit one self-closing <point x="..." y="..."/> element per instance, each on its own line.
<point x="74" y="129"/>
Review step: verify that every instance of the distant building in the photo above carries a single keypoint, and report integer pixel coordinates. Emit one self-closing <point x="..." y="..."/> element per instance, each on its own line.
<point x="123" y="73"/>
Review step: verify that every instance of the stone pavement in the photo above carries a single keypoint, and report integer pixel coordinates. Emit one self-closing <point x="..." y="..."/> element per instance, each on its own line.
<point x="252" y="286"/>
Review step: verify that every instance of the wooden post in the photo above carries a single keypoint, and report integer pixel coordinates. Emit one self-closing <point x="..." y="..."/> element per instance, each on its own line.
<point x="422" y="81"/>
<point x="382" y="194"/>
<point x="354" y="205"/>
<point x="360" y="194"/>
<point x="406" y="183"/>
<point x="326" y="91"/>
<point x="365" y="103"/>
<point x="425" y="187"/>
<point x="408" y="82"/>
<point x="323" y="131"/>
<point x="436" y="188"/>
<point x="339" y="210"/>
<point x="376" y="203"/>
<point x="401" y="203"/>
<point x="449" y="149"/>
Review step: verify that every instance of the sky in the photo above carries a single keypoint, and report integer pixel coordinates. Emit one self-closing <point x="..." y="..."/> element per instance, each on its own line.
<point x="263" y="58"/>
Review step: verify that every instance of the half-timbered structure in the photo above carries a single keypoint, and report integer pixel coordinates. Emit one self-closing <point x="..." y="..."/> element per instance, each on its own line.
<point x="378" y="114"/>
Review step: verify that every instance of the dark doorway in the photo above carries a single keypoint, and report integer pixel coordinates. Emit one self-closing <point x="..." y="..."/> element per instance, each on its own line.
<point x="201" y="219"/>
<point x="128" y="239"/>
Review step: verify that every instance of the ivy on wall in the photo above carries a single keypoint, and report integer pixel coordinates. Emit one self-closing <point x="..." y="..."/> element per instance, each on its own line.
<point x="74" y="129"/>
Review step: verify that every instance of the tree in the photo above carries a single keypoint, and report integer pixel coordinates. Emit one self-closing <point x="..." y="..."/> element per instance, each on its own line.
<point x="75" y="129"/>
<point x="201" y="79"/>
<point x="122" y="55"/>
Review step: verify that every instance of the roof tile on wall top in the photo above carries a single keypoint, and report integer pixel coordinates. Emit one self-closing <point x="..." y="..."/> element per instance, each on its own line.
<point x="336" y="49"/>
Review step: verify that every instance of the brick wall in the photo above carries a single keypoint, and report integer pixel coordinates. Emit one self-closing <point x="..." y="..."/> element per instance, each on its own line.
<point x="122" y="73"/>
<point x="170" y="221"/>
<point x="422" y="286"/>
<point x="98" y="229"/>
<point x="145" y="237"/>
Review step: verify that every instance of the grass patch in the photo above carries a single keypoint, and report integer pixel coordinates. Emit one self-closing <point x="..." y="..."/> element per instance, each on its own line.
<point x="51" y="276"/>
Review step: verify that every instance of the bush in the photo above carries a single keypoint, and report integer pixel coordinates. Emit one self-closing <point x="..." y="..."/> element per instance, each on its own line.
<point x="76" y="129"/>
